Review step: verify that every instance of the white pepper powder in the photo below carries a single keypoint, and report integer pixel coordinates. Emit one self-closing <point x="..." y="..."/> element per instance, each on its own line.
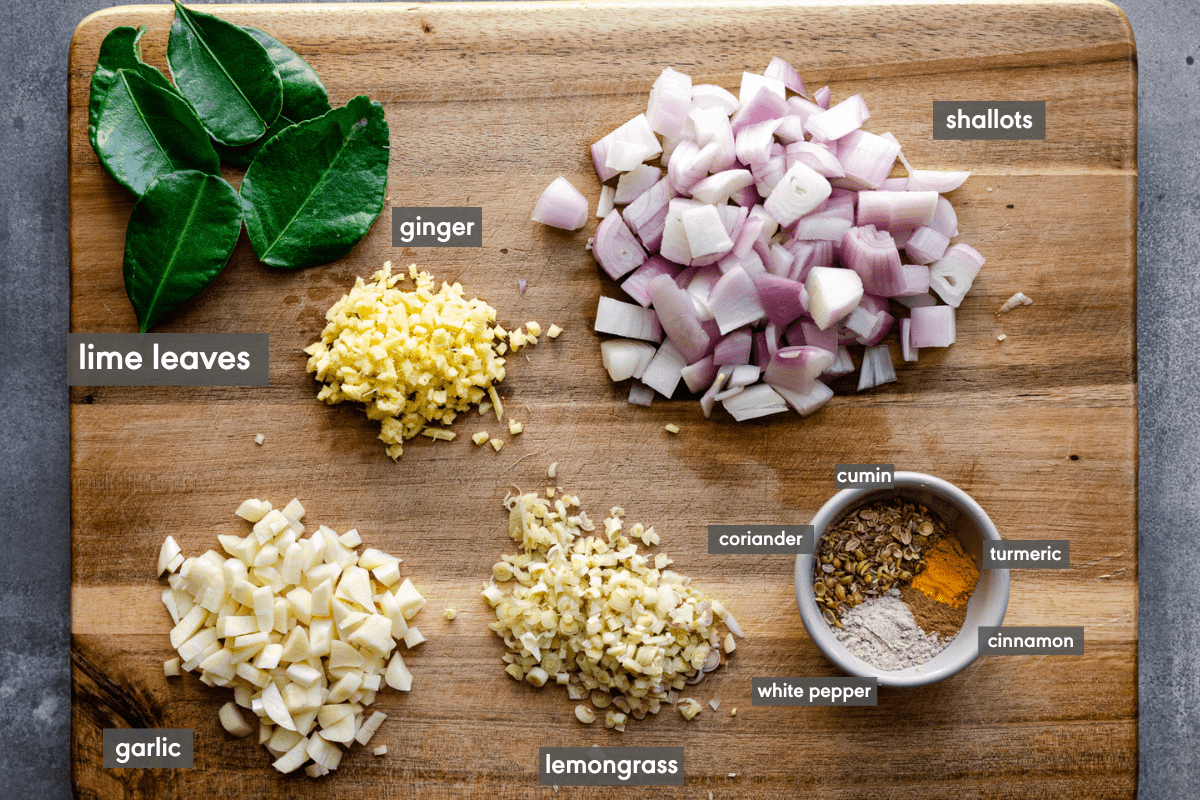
<point x="882" y="632"/>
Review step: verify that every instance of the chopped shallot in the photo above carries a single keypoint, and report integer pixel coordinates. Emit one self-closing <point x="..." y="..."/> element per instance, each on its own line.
<point x="774" y="240"/>
<point x="1018" y="299"/>
<point x="562" y="206"/>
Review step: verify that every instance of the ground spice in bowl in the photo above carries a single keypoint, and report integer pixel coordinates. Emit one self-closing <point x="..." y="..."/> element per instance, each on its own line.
<point x="932" y="616"/>
<point x="893" y="583"/>
<point x="950" y="574"/>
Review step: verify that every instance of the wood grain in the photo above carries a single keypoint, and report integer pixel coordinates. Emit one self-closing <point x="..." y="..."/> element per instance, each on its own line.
<point x="489" y="102"/>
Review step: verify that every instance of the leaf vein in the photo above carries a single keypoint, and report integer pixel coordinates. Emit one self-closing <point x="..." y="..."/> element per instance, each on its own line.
<point x="225" y="72"/>
<point x="145" y="122"/>
<point x="320" y="183"/>
<point x="174" y="253"/>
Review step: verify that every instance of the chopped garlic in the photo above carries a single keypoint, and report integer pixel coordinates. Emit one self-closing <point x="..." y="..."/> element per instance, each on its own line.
<point x="171" y="668"/>
<point x="497" y="444"/>
<point x="168" y="554"/>
<point x="450" y="613"/>
<point x="259" y="438"/>
<point x="552" y="471"/>
<point x="715" y="703"/>
<point x="534" y="328"/>
<point x="485" y="406"/>
<point x="480" y="438"/>
<point x="515" y="427"/>
<point x="308" y="625"/>
<point x="381" y="750"/>
<point x="553" y="331"/>
<point x="733" y="712"/>
<point x="232" y="721"/>
<point x="368" y="728"/>
<point x="672" y="428"/>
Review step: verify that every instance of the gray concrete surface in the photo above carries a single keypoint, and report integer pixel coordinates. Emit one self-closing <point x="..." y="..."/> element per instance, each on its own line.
<point x="34" y="500"/>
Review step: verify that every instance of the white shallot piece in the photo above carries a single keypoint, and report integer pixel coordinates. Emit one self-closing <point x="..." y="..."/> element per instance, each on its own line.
<point x="1018" y="299"/>
<point x="760" y="235"/>
<point x="562" y="206"/>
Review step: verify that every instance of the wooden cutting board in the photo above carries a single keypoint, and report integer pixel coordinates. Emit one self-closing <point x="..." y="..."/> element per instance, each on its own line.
<point x="487" y="104"/>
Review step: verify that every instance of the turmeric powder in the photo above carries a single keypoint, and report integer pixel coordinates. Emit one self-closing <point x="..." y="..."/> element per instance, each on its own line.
<point x="950" y="574"/>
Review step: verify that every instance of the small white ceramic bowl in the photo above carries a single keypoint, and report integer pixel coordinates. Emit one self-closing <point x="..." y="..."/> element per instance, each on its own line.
<point x="964" y="517"/>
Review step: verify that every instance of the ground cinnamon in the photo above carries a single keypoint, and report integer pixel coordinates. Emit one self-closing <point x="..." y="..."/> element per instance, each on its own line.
<point x="932" y="616"/>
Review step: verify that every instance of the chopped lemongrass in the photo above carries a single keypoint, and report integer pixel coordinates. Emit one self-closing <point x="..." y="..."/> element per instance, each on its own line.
<point x="689" y="708"/>
<point x="624" y="616"/>
<point x="585" y="715"/>
<point x="671" y="427"/>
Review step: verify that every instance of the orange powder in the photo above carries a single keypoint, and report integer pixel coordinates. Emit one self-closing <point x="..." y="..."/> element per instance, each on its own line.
<point x="950" y="574"/>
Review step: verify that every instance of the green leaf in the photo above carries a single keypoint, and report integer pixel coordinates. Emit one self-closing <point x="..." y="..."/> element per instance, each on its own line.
<point x="225" y="74"/>
<point x="180" y="236"/>
<point x="145" y="132"/>
<point x="244" y="155"/>
<point x="304" y="97"/>
<point x="316" y="188"/>
<point x="120" y="50"/>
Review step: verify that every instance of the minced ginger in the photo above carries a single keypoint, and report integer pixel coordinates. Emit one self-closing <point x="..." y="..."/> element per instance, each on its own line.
<point x="412" y="358"/>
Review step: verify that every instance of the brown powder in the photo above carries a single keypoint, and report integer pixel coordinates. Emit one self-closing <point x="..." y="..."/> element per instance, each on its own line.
<point x="932" y="616"/>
